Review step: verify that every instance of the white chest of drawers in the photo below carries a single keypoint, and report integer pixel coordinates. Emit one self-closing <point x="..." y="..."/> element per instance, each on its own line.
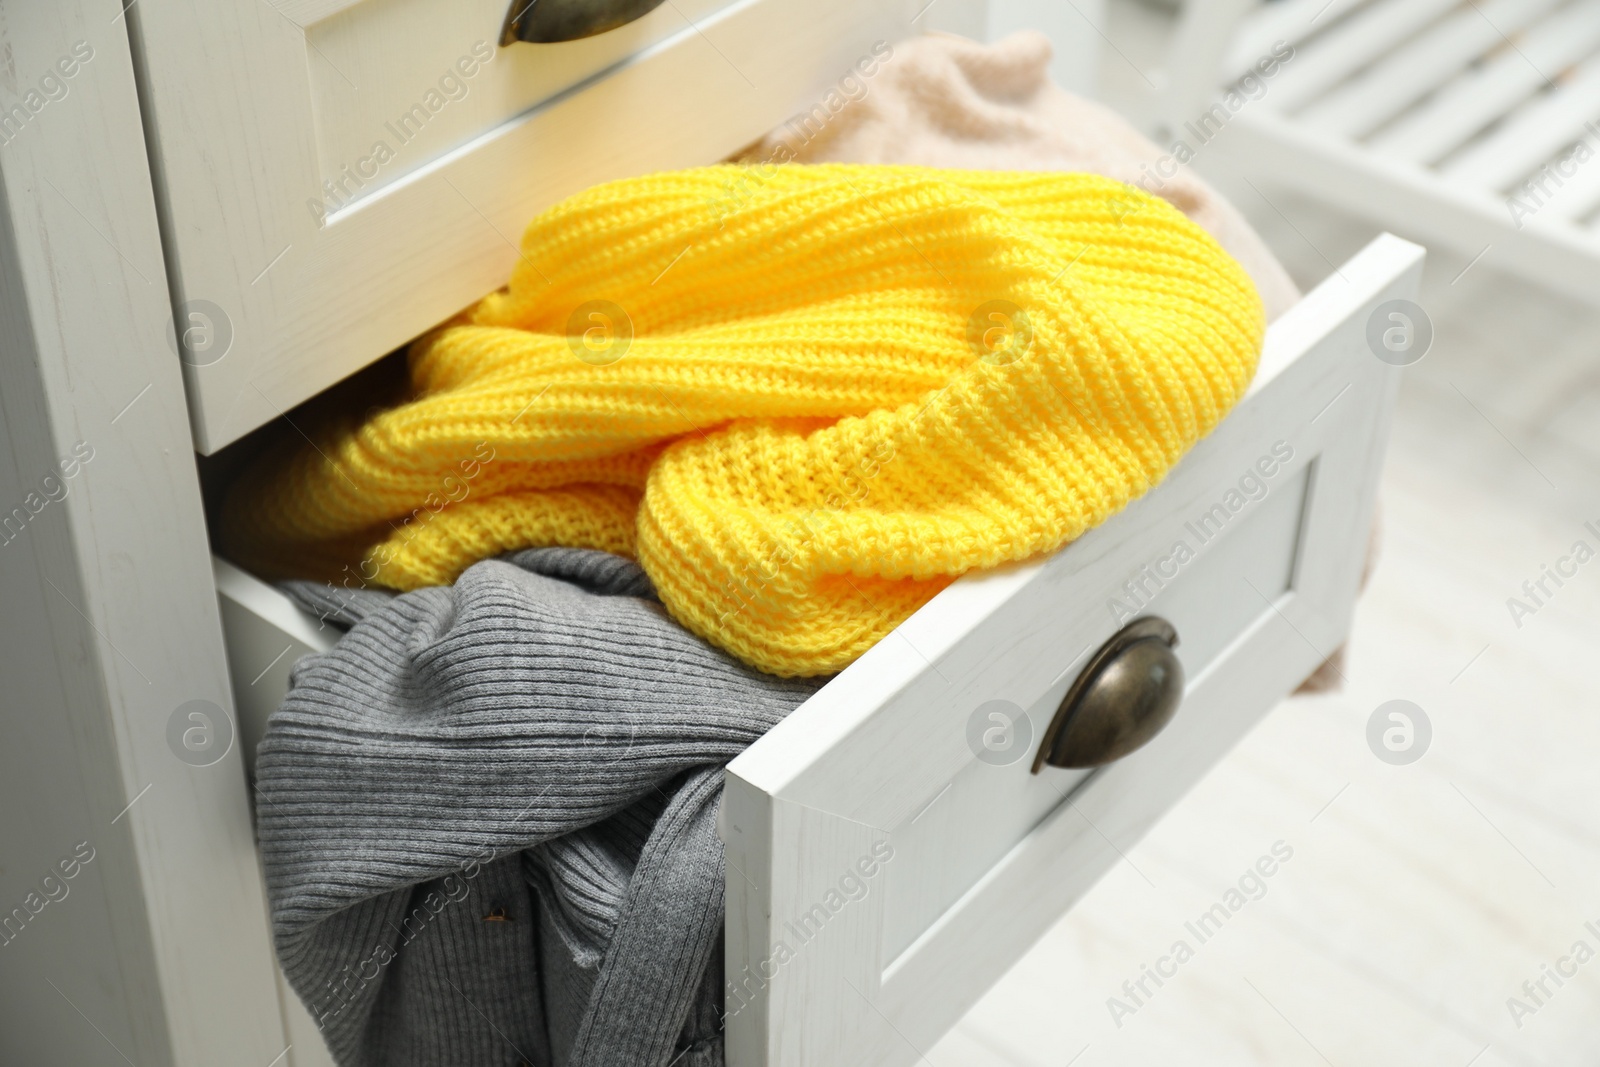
<point x="158" y="951"/>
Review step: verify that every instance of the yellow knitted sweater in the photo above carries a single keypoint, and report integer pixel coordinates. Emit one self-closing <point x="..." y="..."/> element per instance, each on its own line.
<point x="806" y="398"/>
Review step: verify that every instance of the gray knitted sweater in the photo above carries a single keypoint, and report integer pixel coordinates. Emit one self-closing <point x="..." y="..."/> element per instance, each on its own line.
<point x="488" y="820"/>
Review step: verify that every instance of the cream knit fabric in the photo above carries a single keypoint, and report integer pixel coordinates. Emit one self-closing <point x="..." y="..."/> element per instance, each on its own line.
<point x="944" y="101"/>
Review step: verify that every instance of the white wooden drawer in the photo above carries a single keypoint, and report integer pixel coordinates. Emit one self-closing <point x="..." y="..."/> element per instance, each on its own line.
<point x="971" y="859"/>
<point x="985" y="856"/>
<point x="298" y="252"/>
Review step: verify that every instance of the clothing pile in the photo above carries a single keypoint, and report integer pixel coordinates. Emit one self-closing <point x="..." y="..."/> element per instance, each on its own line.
<point x="723" y="431"/>
<point x="859" y="384"/>
<point x="488" y="819"/>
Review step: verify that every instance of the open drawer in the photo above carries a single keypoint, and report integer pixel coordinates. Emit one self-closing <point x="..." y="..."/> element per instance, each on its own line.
<point x="339" y="176"/>
<point x="890" y="852"/>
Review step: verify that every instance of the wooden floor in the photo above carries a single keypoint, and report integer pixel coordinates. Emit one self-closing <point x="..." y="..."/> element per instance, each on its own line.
<point x="1419" y="899"/>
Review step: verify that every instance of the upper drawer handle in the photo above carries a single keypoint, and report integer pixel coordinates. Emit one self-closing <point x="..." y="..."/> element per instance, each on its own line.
<point x="549" y="21"/>
<point x="1129" y="690"/>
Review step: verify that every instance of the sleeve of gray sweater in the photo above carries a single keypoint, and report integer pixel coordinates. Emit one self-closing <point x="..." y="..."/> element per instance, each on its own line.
<point x="488" y="820"/>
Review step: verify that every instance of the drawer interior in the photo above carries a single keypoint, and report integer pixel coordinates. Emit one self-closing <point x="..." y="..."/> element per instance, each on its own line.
<point x="266" y="633"/>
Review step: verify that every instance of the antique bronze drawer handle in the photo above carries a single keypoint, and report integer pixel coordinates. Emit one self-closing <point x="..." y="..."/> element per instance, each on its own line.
<point x="549" y="21"/>
<point x="1129" y="690"/>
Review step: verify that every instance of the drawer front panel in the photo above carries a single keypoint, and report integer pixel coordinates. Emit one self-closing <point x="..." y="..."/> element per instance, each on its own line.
<point x="422" y="78"/>
<point x="884" y="868"/>
<point x="330" y="189"/>
<point x="989" y="807"/>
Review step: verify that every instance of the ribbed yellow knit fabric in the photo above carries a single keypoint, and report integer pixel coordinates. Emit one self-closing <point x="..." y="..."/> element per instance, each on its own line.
<point x="800" y="442"/>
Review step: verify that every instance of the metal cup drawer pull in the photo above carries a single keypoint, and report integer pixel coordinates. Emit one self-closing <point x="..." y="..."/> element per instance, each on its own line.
<point x="550" y="21"/>
<point x="1121" y="699"/>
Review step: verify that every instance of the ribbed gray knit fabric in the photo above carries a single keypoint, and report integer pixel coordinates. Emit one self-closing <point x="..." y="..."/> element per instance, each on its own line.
<point x="488" y="820"/>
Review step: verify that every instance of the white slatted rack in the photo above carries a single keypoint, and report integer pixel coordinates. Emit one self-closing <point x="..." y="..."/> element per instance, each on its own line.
<point x="1468" y="123"/>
